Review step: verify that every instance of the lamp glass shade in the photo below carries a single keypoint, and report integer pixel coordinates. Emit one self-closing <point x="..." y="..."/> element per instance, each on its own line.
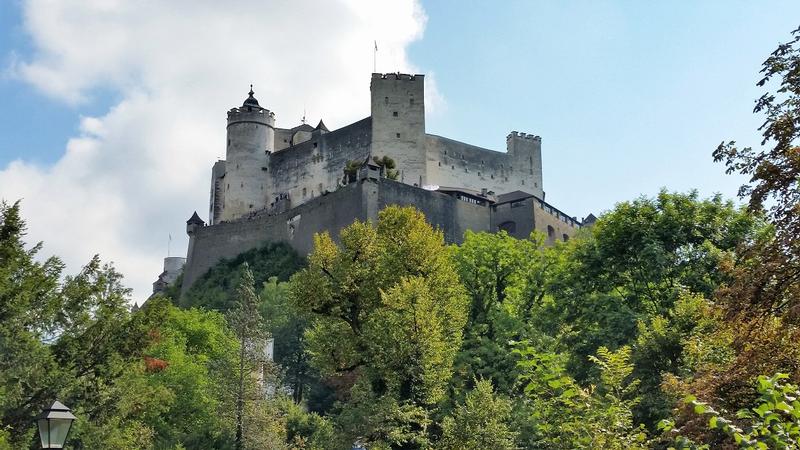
<point x="44" y="432"/>
<point x="59" y="428"/>
<point x="54" y="424"/>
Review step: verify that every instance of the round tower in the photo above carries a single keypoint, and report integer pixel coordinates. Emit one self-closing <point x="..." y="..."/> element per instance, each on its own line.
<point x="251" y="138"/>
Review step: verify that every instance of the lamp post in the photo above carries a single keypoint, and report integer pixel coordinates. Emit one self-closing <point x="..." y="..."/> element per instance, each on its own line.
<point x="54" y="424"/>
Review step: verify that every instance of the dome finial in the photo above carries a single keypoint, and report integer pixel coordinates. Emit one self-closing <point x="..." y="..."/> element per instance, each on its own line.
<point x="250" y="101"/>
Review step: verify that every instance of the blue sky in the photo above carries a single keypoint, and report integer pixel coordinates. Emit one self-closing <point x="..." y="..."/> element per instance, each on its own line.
<point x="628" y="96"/>
<point x="113" y="112"/>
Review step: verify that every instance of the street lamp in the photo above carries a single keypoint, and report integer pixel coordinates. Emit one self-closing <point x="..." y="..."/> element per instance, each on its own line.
<point x="54" y="424"/>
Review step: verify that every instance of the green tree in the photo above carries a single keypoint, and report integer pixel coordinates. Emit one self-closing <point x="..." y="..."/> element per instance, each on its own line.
<point x="482" y="422"/>
<point x="505" y="279"/>
<point x="566" y="415"/>
<point x="246" y="322"/>
<point x="633" y="266"/>
<point x="387" y="313"/>
<point x="72" y="339"/>
<point x="388" y="165"/>
<point x="216" y="289"/>
<point x="193" y="359"/>
<point x="766" y="274"/>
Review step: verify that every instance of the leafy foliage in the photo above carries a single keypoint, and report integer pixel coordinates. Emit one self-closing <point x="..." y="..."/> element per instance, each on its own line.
<point x="766" y="277"/>
<point x="566" y="415"/>
<point x="481" y="422"/>
<point x="387" y="313"/>
<point x="216" y="288"/>
<point x="388" y="165"/>
<point x="774" y="423"/>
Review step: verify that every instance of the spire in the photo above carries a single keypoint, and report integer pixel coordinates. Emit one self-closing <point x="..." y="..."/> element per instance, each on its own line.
<point x="195" y="219"/>
<point x="321" y="126"/>
<point x="250" y="101"/>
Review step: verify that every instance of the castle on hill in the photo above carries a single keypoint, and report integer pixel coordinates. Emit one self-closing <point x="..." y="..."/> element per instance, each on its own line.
<point x="286" y="184"/>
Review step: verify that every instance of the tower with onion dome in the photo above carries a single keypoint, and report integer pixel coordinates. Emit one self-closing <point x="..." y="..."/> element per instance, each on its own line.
<point x="251" y="139"/>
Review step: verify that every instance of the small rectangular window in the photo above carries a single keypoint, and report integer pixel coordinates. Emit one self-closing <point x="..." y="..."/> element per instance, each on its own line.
<point x="394" y="113"/>
<point x="398" y="135"/>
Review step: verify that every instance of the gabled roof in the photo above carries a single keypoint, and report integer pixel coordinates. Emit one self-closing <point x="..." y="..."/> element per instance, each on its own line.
<point x="321" y="126"/>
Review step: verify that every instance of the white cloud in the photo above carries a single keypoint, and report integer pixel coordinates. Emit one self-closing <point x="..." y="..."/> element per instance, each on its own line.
<point x="135" y="174"/>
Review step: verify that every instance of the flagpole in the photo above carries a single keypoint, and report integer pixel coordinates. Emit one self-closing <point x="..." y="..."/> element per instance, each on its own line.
<point x="375" y="58"/>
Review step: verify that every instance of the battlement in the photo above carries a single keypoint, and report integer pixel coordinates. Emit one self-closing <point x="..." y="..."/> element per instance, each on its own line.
<point x="251" y="114"/>
<point x="398" y="76"/>
<point x="517" y="135"/>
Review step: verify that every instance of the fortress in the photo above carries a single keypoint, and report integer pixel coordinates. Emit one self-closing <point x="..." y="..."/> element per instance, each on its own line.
<point x="286" y="184"/>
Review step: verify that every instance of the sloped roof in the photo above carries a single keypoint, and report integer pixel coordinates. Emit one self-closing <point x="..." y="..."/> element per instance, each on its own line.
<point x="195" y="219"/>
<point x="303" y="127"/>
<point x="321" y="126"/>
<point x="250" y="100"/>
<point x="513" y="196"/>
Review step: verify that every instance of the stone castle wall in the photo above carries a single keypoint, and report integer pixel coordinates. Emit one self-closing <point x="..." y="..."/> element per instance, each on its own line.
<point x="316" y="166"/>
<point x="455" y="164"/>
<point x="357" y="201"/>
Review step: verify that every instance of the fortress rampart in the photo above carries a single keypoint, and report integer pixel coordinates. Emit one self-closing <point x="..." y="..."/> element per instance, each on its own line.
<point x="286" y="184"/>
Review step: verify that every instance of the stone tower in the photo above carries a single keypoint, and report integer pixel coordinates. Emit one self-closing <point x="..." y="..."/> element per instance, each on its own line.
<point x="525" y="151"/>
<point x="398" y="123"/>
<point x="251" y="138"/>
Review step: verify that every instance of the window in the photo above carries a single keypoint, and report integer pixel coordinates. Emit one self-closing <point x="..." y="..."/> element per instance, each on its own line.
<point x="394" y="113"/>
<point x="304" y="192"/>
<point x="411" y="102"/>
<point x="566" y="238"/>
<point x="398" y="135"/>
<point x="509" y="227"/>
<point x="315" y="145"/>
<point x="440" y="164"/>
<point x="385" y="100"/>
<point x="551" y="234"/>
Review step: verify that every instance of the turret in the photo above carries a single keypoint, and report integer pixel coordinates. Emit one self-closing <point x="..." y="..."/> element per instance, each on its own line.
<point x="525" y="151"/>
<point x="251" y="139"/>
<point x="194" y="223"/>
<point x="398" y="123"/>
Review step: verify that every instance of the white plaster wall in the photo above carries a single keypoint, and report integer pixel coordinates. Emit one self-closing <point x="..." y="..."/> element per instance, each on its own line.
<point x="315" y="166"/>
<point x="456" y="164"/>
<point x="398" y="123"/>
<point x="250" y="137"/>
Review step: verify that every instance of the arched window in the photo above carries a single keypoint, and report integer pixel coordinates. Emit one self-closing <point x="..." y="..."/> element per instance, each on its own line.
<point x="509" y="227"/>
<point x="551" y="234"/>
<point x="566" y="237"/>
